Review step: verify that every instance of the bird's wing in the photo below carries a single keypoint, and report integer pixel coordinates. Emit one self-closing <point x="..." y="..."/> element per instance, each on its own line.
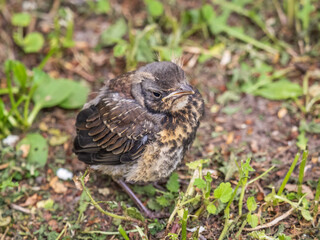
<point x="113" y="131"/>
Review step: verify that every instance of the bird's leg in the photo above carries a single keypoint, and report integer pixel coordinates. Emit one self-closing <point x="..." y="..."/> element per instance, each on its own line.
<point x="146" y="212"/>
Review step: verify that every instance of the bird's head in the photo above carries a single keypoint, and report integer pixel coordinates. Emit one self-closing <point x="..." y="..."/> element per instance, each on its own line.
<point x="164" y="87"/>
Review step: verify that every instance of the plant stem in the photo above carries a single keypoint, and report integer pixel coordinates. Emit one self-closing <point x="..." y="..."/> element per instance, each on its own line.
<point x="301" y="171"/>
<point x="6" y="90"/>
<point x="286" y="179"/>
<point x="184" y="225"/>
<point x="241" y="228"/>
<point x="316" y="201"/>
<point x="312" y="102"/>
<point x="260" y="176"/>
<point x="63" y="231"/>
<point x="36" y="109"/>
<point x="189" y="192"/>
<point x="225" y="228"/>
<point x="291" y="12"/>
<point x="26" y="105"/>
<point x="108" y="233"/>
<point x="243" y="189"/>
<point x="52" y="51"/>
<point x="97" y="206"/>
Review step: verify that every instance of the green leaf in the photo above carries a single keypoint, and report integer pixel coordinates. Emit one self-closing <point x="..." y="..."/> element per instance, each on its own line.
<point x="33" y="42"/>
<point x="83" y="202"/>
<point x="114" y="33"/>
<point x="21" y="19"/>
<point x="251" y="204"/>
<point x="211" y="208"/>
<point x="147" y="189"/>
<point x="40" y="77"/>
<point x="155" y="8"/>
<point x="20" y="73"/>
<point x="306" y="214"/>
<point x="302" y="140"/>
<point x="207" y="12"/>
<point x="154" y="205"/>
<point x="252" y="220"/>
<point x="280" y="90"/>
<point x="38" y="152"/>
<point x="123" y="233"/>
<point x="165" y="200"/>
<point x="284" y="237"/>
<point x="173" y="183"/>
<point x="144" y="52"/>
<point x="195" y="164"/>
<point x="167" y="53"/>
<point x="78" y="96"/>
<point x="133" y="212"/>
<point x="200" y="183"/>
<point x="246" y="168"/>
<point x="103" y="6"/>
<point x="120" y="49"/>
<point x="208" y="177"/>
<point x="52" y="93"/>
<point x="260" y="235"/>
<point x="7" y="183"/>
<point x="230" y="110"/>
<point x="223" y="192"/>
<point x="311" y="127"/>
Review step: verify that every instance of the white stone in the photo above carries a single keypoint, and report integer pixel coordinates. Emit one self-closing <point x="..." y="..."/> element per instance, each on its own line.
<point x="10" y="140"/>
<point x="64" y="174"/>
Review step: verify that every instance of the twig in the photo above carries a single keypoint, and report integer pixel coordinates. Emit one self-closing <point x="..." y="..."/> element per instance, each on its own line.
<point x="272" y="223"/>
<point x="63" y="231"/>
<point x="97" y="206"/>
<point x="21" y="209"/>
<point x="78" y="71"/>
<point x="5" y="233"/>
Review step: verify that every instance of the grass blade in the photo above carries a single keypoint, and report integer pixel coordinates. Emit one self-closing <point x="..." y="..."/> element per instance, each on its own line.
<point x="286" y="179"/>
<point x="301" y="171"/>
<point x="184" y="225"/>
<point x="123" y="233"/>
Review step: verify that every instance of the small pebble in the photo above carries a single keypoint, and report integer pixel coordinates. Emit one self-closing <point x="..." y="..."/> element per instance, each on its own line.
<point x="10" y="140"/>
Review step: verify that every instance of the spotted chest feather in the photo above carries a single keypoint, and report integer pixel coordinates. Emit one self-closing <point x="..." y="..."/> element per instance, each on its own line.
<point x="163" y="155"/>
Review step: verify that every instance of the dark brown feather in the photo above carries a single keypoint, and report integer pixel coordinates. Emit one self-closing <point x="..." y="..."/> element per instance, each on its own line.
<point x="115" y="126"/>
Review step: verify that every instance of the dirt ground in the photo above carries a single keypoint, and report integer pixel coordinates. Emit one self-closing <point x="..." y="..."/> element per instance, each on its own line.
<point x="234" y="130"/>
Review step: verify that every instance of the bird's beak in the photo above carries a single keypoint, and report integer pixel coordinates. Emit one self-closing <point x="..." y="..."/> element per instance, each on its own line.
<point x="185" y="89"/>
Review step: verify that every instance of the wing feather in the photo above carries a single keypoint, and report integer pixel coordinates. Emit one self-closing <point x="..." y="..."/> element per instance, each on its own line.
<point x="113" y="131"/>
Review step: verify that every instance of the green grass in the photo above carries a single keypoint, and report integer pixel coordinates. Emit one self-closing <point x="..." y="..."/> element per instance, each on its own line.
<point x="261" y="64"/>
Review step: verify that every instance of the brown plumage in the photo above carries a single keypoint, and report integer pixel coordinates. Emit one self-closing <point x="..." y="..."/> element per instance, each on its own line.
<point x="141" y="124"/>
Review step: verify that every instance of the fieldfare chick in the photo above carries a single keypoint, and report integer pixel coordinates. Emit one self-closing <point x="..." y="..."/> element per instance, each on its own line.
<point x="140" y="125"/>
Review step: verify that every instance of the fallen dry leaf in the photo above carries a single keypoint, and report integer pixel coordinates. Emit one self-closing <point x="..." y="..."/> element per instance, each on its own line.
<point x="25" y="150"/>
<point x="30" y="201"/>
<point x="54" y="224"/>
<point x="282" y="112"/>
<point x="104" y="191"/>
<point x="260" y="196"/>
<point x="77" y="183"/>
<point x="218" y="129"/>
<point x="4" y="166"/>
<point x="57" y="186"/>
<point x="230" y="138"/>
<point x="254" y="146"/>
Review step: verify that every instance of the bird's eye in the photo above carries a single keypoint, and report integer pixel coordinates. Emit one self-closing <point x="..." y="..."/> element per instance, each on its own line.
<point x="156" y="94"/>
